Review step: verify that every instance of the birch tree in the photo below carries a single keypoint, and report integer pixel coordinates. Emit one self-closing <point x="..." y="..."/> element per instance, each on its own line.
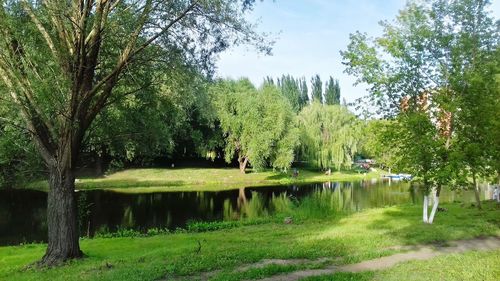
<point x="422" y="59"/>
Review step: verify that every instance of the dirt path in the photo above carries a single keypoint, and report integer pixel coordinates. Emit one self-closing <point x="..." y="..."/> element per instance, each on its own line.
<point x="419" y="253"/>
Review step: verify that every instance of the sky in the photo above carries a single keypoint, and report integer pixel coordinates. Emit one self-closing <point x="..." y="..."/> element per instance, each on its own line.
<point x="309" y="35"/>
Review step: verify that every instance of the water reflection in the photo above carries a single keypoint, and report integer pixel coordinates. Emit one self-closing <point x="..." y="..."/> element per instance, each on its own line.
<point x="23" y="216"/>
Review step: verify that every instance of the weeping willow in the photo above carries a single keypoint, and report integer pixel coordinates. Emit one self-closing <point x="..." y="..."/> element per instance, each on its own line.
<point x="329" y="136"/>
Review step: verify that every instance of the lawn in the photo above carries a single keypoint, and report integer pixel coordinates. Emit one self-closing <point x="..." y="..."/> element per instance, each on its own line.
<point x="339" y="238"/>
<point x="468" y="266"/>
<point x="203" y="179"/>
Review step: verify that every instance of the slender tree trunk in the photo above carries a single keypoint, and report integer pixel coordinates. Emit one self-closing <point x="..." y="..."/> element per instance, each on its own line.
<point x="243" y="164"/>
<point x="63" y="238"/>
<point x="476" y="191"/>
<point x="436" y="204"/>
<point x="426" y="206"/>
<point x="426" y="202"/>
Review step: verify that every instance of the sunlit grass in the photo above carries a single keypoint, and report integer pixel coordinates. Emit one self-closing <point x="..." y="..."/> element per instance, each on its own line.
<point x="202" y="179"/>
<point x="352" y="238"/>
<point x="480" y="266"/>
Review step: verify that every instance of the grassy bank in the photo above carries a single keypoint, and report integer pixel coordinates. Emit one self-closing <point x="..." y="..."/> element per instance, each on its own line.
<point x="202" y="179"/>
<point x="341" y="239"/>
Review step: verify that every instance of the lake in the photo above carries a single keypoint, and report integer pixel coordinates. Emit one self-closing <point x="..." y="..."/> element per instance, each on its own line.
<point x="23" y="212"/>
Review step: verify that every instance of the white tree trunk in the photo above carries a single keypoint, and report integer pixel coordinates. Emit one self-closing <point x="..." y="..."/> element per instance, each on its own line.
<point x="426" y="205"/>
<point x="434" y="209"/>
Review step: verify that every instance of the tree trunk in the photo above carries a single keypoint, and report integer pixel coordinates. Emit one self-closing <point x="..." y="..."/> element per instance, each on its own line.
<point x="476" y="191"/>
<point x="243" y="164"/>
<point x="436" y="204"/>
<point x="63" y="238"/>
<point x="426" y="206"/>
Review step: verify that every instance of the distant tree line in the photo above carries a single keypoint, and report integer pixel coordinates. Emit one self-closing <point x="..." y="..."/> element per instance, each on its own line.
<point x="297" y="92"/>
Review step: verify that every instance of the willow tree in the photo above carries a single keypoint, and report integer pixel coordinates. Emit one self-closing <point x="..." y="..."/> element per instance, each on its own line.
<point x="258" y="125"/>
<point x="62" y="62"/>
<point x="329" y="136"/>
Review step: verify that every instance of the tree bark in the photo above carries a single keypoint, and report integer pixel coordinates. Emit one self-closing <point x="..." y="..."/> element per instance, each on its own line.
<point x="63" y="237"/>
<point x="426" y="206"/>
<point x="476" y="191"/>
<point x="435" y="205"/>
<point x="243" y="164"/>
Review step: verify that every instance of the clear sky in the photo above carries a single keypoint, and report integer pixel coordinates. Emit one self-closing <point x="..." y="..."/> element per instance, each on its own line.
<point x="310" y="34"/>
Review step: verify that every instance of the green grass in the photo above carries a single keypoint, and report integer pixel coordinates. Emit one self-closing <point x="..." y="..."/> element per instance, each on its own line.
<point x="352" y="238"/>
<point x="202" y="179"/>
<point x="480" y="266"/>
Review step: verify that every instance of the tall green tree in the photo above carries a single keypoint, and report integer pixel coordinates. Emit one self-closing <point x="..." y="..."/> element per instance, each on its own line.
<point x="63" y="62"/>
<point x="289" y="87"/>
<point x="316" y="89"/>
<point x="258" y="125"/>
<point x="330" y="136"/>
<point x="304" y="92"/>
<point x="422" y="59"/>
<point x="332" y="91"/>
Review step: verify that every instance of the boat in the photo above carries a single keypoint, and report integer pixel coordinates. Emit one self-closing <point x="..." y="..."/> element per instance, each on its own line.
<point x="398" y="176"/>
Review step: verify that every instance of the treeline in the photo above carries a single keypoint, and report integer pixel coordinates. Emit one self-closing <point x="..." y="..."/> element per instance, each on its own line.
<point x="190" y="116"/>
<point x="297" y="93"/>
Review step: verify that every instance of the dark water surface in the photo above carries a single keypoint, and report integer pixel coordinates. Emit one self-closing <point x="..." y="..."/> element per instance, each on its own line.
<point x="23" y="212"/>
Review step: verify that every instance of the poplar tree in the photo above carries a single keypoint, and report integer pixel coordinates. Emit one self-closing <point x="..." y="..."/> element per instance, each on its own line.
<point x="316" y="89"/>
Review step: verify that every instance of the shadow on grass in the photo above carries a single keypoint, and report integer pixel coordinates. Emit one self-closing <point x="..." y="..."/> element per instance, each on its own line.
<point x="456" y="223"/>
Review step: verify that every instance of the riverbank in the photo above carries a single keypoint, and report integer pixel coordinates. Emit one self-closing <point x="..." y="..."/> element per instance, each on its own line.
<point x="324" y="240"/>
<point x="203" y="179"/>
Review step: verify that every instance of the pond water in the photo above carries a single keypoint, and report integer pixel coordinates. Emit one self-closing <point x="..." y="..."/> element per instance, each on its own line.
<point x="23" y="212"/>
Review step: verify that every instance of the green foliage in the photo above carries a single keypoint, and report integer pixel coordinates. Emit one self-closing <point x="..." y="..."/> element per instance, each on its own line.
<point x="332" y="91"/>
<point x="173" y="118"/>
<point x="290" y="89"/>
<point x="316" y="89"/>
<point x="19" y="162"/>
<point x="329" y="135"/>
<point x="378" y="142"/>
<point x="435" y="65"/>
<point x="258" y="125"/>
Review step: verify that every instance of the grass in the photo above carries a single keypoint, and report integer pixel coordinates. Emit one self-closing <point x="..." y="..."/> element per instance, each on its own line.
<point x="352" y="238"/>
<point x="480" y="266"/>
<point x="201" y="179"/>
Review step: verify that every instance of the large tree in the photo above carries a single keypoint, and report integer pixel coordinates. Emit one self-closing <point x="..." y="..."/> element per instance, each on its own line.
<point x="332" y="91"/>
<point x="258" y="125"/>
<point x="289" y="87"/>
<point x="329" y="135"/>
<point x="62" y="62"/>
<point x="316" y="89"/>
<point x="424" y="59"/>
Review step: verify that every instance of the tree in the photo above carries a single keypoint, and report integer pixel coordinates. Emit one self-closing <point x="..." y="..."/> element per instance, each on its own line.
<point x="422" y="60"/>
<point x="329" y="135"/>
<point x="316" y="89"/>
<point x="378" y="143"/>
<point x="304" y="92"/>
<point x="290" y="89"/>
<point x="172" y="118"/>
<point x="62" y="62"/>
<point x="332" y="91"/>
<point x="258" y="125"/>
